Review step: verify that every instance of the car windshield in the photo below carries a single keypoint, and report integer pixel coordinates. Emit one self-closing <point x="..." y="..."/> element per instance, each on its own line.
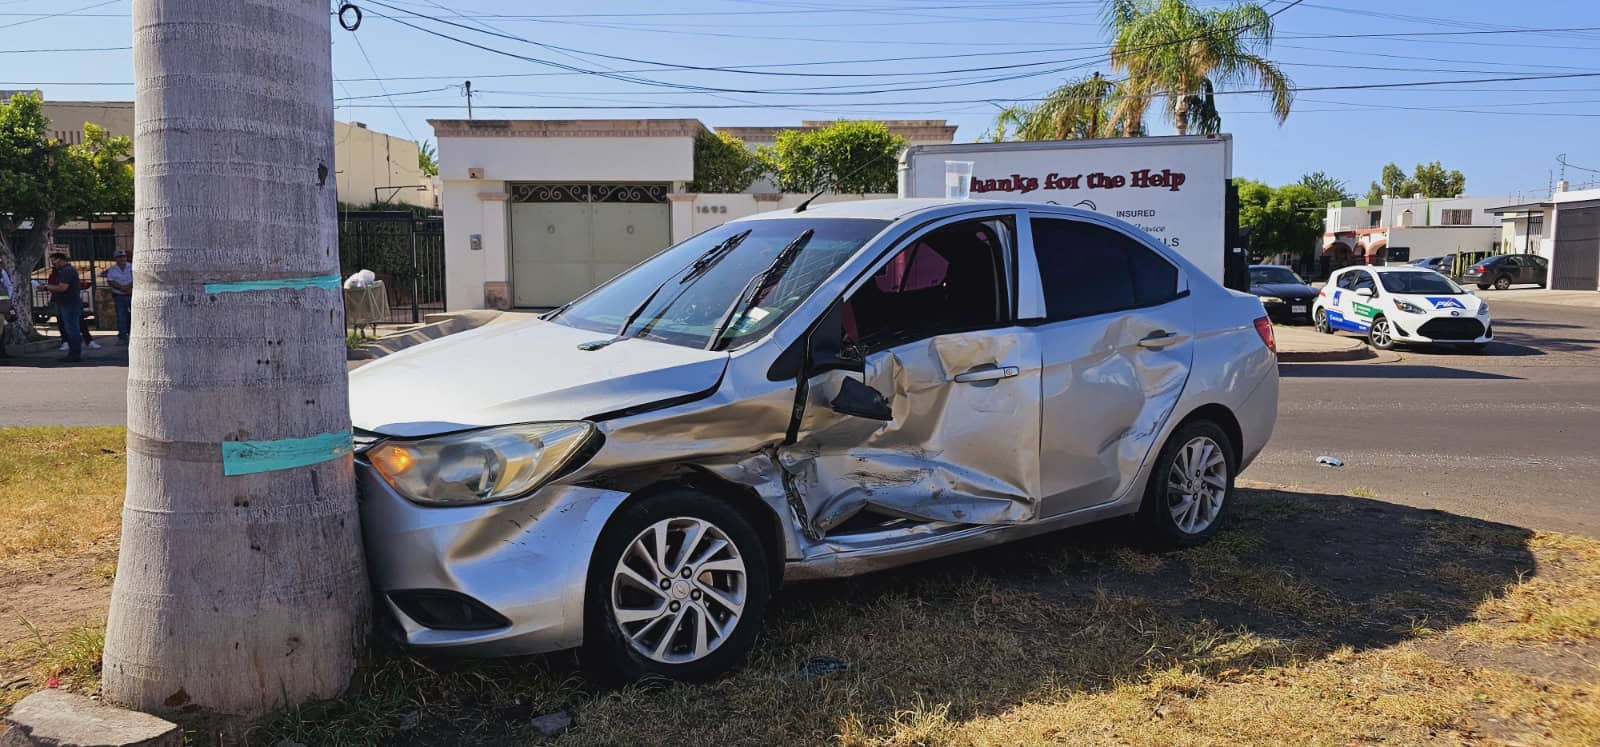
<point x="689" y="292"/>
<point x="1274" y="275"/>
<point x="1419" y="282"/>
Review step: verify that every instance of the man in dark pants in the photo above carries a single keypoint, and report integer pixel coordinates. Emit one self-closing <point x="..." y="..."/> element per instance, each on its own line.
<point x="66" y="295"/>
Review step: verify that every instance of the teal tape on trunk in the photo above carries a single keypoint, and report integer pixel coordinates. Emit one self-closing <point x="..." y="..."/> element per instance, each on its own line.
<point x="250" y="457"/>
<point x="329" y="282"/>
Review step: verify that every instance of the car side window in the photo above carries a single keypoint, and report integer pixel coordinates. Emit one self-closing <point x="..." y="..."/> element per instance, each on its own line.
<point x="1539" y="262"/>
<point x="952" y="279"/>
<point x="1087" y="269"/>
<point x="1510" y="263"/>
<point x="1347" y="281"/>
<point x="1364" y="280"/>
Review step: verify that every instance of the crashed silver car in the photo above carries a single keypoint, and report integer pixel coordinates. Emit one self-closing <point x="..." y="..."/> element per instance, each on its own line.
<point x="796" y="396"/>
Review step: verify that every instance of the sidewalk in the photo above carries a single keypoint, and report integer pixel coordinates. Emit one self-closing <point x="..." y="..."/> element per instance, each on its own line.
<point x="1581" y="299"/>
<point x="1307" y="345"/>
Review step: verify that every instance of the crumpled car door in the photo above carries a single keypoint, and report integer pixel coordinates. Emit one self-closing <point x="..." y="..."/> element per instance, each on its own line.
<point x="962" y="444"/>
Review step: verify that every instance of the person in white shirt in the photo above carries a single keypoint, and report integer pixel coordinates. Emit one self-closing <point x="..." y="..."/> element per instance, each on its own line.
<point x="120" y="278"/>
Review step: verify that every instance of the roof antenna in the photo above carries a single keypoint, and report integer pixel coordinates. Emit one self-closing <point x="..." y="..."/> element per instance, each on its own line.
<point x="807" y="203"/>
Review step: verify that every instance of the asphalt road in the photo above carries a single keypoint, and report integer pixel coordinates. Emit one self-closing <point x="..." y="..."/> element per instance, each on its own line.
<point x="1512" y="435"/>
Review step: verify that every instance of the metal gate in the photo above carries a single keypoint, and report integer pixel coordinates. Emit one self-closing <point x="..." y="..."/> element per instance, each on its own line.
<point x="1576" y="258"/>
<point x="569" y="238"/>
<point x="406" y="252"/>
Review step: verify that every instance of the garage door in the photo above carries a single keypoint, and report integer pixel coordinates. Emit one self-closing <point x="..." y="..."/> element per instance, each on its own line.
<point x="569" y="238"/>
<point x="1576" y="259"/>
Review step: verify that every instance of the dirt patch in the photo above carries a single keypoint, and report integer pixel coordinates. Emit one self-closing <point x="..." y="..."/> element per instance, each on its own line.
<point x="71" y="592"/>
<point x="1576" y="663"/>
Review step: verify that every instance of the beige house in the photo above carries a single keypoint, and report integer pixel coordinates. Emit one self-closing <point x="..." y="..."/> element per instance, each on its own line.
<point x="370" y="166"/>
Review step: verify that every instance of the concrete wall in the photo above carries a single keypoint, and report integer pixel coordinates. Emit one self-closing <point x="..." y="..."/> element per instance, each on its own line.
<point x="366" y="159"/>
<point x="67" y="118"/>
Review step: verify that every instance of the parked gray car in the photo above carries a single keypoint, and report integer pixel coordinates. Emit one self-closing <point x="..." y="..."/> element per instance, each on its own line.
<point x="796" y="396"/>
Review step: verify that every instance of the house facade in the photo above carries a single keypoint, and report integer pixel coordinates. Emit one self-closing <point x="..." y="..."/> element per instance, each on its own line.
<point x="1564" y="229"/>
<point x="1399" y="230"/>
<point x="538" y="212"/>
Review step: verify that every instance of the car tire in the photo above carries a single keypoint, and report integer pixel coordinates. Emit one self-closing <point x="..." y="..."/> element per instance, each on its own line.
<point x="1165" y="519"/>
<point x="1502" y="283"/>
<point x="1319" y="318"/>
<point x="1381" y="334"/>
<point x="1483" y="286"/>
<point x="625" y="640"/>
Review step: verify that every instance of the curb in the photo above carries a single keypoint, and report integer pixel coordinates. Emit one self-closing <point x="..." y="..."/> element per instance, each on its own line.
<point x="1362" y="353"/>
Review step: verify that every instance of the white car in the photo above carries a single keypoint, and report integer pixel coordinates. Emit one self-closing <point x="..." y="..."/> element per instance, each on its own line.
<point x="1402" y="304"/>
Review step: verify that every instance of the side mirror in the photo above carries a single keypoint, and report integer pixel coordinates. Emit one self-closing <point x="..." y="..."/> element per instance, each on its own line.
<point x="828" y="348"/>
<point x="1364" y="292"/>
<point x="862" y="401"/>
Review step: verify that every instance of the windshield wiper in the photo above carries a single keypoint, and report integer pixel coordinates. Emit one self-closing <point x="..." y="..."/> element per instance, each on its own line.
<point x="700" y="266"/>
<point x="769" y="277"/>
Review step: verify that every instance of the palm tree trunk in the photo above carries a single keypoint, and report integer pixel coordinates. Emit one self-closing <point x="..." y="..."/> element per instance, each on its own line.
<point x="1182" y="120"/>
<point x="240" y="585"/>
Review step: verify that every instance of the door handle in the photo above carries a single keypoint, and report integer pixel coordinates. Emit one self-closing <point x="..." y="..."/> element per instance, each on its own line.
<point x="1159" y="339"/>
<point x="987" y="374"/>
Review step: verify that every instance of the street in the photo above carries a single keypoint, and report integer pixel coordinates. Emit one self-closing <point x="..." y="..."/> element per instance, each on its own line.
<point x="1508" y="435"/>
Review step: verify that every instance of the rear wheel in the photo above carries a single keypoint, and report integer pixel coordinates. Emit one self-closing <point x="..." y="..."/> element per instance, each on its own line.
<point x="1381" y="334"/>
<point x="1503" y="282"/>
<point x="678" y="587"/>
<point x="1320" y="318"/>
<point x="1190" y="488"/>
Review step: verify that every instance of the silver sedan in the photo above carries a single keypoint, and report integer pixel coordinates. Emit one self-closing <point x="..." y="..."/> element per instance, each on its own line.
<point x="799" y="395"/>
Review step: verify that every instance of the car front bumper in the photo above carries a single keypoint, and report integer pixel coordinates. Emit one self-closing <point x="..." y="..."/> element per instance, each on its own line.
<point x="526" y="561"/>
<point x="1285" y="311"/>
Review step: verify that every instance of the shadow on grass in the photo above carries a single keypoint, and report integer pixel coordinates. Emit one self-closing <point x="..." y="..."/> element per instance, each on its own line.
<point x="1293" y="577"/>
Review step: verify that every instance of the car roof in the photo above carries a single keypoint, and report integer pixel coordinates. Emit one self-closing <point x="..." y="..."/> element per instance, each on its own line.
<point x="1383" y="268"/>
<point x="1274" y="267"/>
<point x="890" y="209"/>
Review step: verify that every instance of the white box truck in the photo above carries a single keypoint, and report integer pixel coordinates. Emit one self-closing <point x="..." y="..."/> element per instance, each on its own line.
<point x="1177" y="189"/>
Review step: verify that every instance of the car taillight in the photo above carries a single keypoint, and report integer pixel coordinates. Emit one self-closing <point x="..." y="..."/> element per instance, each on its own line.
<point x="1264" y="328"/>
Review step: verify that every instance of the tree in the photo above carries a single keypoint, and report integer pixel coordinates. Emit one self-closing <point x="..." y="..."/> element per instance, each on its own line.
<point x="240" y="585"/>
<point x="1283" y="220"/>
<point x="1428" y="180"/>
<point x="1079" y="109"/>
<point x="722" y="164"/>
<point x="1176" y="51"/>
<point x="44" y="183"/>
<point x="1433" y="181"/>
<point x="845" y="157"/>
<point x="1325" y="188"/>
<point x="428" y="159"/>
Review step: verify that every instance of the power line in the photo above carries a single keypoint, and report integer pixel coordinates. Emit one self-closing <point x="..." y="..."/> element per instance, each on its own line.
<point x="65" y="49"/>
<point x="38" y="17"/>
<point x="381" y="87"/>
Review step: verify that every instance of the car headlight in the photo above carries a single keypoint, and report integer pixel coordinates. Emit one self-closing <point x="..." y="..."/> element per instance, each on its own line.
<point x="479" y="466"/>
<point x="1408" y="307"/>
<point x="1270" y="299"/>
<point x="1483" y="308"/>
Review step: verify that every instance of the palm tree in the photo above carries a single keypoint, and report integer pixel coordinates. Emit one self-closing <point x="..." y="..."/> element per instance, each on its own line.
<point x="240" y="585"/>
<point x="1174" y="50"/>
<point x="1079" y="109"/>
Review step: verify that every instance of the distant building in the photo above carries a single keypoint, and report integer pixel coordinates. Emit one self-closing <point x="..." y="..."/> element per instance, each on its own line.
<point x="1564" y="229"/>
<point x="1403" y="229"/>
<point x="369" y="166"/>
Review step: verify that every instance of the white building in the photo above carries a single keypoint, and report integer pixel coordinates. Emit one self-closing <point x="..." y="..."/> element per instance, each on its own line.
<point x="1564" y="229"/>
<point x="1402" y="229"/>
<point x="538" y="212"/>
<point x="371" y="166"/>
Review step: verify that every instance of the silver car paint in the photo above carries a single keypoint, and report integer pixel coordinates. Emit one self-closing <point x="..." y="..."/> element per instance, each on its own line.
<point x="732" y="438"/>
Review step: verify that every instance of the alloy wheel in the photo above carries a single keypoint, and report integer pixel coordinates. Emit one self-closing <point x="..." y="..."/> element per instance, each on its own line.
<point x="678" y="590"/>
<point x="1502" y="283"/>
<point x="1382" y="336"/>
<point x="1321" y="321"/>
<point x="1197" y="483"/>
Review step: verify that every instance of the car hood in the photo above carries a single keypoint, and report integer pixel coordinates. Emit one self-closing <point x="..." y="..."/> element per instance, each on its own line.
<point x="1466" y="304"/>
<point x="1284" y="290"/>
<point x="520" y="372"/>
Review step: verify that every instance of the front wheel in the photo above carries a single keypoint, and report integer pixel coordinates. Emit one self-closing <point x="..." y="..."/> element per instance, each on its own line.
<point x="1483" y="286"/>
<point x="1190" y="488"/>
<point x="1502" y="283"/>
<point x="1381" y="335"/>
<point x="677" y="588"/>
<point x="1320" y="319"/>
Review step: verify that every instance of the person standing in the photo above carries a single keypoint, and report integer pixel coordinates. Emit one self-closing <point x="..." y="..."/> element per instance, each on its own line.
<point x="120" y="277"/>
<point x="66" y="293"/>
<point x="8" y="290"/>
<point x="83" y="319"/>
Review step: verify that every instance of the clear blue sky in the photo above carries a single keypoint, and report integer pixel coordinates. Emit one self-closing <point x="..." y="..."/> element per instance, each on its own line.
<point x="1505" y="135"/>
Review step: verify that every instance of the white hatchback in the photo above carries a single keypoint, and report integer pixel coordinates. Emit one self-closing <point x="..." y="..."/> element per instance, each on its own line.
<point x="1404" y="304"/>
